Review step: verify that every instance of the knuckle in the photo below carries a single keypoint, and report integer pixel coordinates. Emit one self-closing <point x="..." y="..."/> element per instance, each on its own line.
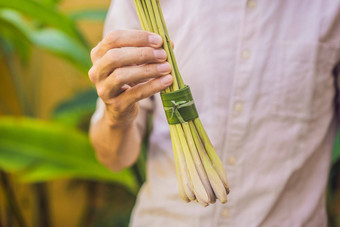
<point x="144" y="53"/>
<point x="113" y="55"/>
<point x="153" y="87"/>
<point x="116" y="105"/>
<point x="118" y="76"/>
<point x="156" y="86"/>
<point x="141" y="53"/>
<point x="141" y="36"/>
<point x="93" y="53"/>
<point x="139" y="95"/>
<point x="101" y="91"/>
<point x="114" y="35"/>
<point x="149" y="69"/>
<point x="92" y="74"/>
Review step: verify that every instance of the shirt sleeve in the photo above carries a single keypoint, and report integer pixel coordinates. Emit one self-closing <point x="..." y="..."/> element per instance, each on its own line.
<point x="122" y="15"/>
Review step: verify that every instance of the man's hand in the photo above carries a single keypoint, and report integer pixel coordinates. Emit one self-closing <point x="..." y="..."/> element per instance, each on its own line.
<point x="128" y="65"/>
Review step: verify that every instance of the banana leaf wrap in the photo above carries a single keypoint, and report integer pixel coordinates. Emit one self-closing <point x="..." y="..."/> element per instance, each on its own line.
<point x="179" y="106"/>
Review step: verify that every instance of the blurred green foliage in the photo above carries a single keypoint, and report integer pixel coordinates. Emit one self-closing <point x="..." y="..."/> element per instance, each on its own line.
<point x="37" y="150"/>
<point x="41" y="150"/>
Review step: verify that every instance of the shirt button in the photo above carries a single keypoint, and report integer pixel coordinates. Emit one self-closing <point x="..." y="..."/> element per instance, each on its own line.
<point x="251" y="4"/>
<point x="245" y="54"/>
<point x="238" y="107"/>
<point x="232" y="160"/>
<point x="225" y="213"/>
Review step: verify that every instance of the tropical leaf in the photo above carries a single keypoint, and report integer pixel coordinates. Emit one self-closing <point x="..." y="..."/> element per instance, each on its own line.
<point x="45" y="14"/>
<point x="40" y="151"/>
<point x="49" y="2"/>
<point x="13" y="40"/>
<point x="49" y="39"/>
<point x="60" y="44"/>
<point x="89" y="14"/>
<point x="77" y="109"/>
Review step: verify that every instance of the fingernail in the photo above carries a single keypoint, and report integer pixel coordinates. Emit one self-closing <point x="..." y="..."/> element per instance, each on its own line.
<point x="166" y="80"/>
<point x="160" y="54"/>
<point x="155" y="39"/>
<point x="164" y="67"/>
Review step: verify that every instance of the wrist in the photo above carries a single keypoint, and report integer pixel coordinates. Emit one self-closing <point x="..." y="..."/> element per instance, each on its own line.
<point x="118" y="121"/>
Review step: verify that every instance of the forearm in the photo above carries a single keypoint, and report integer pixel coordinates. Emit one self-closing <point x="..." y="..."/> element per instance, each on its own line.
<point x="116" y="146"/>
<point x="128" y="66"/>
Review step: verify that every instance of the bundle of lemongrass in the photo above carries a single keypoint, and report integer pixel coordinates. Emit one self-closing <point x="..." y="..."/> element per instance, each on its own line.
<point x="200" y="172"/>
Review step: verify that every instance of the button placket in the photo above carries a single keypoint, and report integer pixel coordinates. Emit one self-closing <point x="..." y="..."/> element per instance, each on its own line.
<point x="238" y="107"/>
<point x="251" y="4"/>
<point x="225" y="213"/>
<point x="238" y="117"/>
<point x="245" y="54"/>
<point x="232" y="160"/>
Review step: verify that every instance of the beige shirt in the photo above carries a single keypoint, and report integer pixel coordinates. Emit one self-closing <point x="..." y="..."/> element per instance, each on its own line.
<point x="261" y="75"/>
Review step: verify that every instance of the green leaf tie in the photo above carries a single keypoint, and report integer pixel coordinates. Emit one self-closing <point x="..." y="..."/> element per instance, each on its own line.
<point x="179" y="106"/>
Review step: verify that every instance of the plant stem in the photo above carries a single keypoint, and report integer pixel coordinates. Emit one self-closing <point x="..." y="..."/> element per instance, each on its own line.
<point x="151" y="18"/>
<point x="147" y="15"/>
<point x="178" y="162"/>
<point x="42" y="204"/>
<point x="172" y="54"/>
<point x="90" y="207"/>
<point x="141" y="16"/>
<point x="11" y="200"/>
<point x="166" y="44"/>
<point x="17" y="82"/>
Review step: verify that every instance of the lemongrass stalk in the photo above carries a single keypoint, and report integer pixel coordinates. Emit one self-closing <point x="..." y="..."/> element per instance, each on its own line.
<point x="202" y="202"/>
<point x="197" y="160"/>
<point x="150" y="12"/>
<point x="215" y="160"/>
<point x="178" y="167"/>
<point x="187" y="185"/>
<point x="167" y="46"/>
<point x="172" y="54"/>
<point x="214" y="179"/>
<point x="150" y="20"/>
<point x="147" y="16"/>
<point x="199" y="190"/>
<point x="141" y="15"/>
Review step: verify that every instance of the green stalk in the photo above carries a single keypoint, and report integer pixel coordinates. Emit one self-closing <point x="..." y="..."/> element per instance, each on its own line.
<point x="215" y="160"/>
<point x="198" y="162"/>
<point x="214" y="179"/>
<point x="146" y="14"/>
<point x="199" y="190"/>
<point x="141" y="15"/>
<point x="166" y="43"/>
<point x="178" y="163"/>
<point x="178" y="75"/>
<point x="188" y="186"/>
<point x="152" y="16"/>
<point x="152" y="22"/>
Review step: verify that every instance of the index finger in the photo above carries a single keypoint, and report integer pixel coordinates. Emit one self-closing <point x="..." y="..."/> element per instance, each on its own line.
<point x="126" y="38"/>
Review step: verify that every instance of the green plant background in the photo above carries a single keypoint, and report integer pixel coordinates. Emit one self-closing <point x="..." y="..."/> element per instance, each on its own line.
<point x="36" y="151"/>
